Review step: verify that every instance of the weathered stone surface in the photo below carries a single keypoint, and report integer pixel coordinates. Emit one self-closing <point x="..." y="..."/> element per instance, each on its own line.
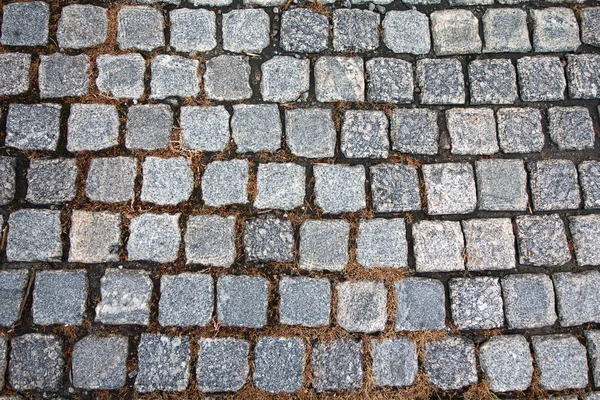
<point x="324" y="245"/>
<point x="420" y="304"/>
<point x="339" y="188"/>
<point x="100" y="362"/>
<point x="472" y="130"/>
<point x="304" y="301"/>
<point x="406" y="32"/>
<point x="571" y="128"/>
<point x="438" y="246"/>
<point x="60" y="75"/>
<point x="455" y="32"/>
<point x="268" y="238"/>
<point x="562" y="362"/>
<point x="441" y="81"/>
<point x="34" y="235"/>
<point x="555" y="29"/>
<point x="507" y="363"/>
<point x="365" y="134"/>
<point x="585" y="230"/>
<point x="394" y="361"/>
<point x="310" y="132"/>
<point x="111" y="179"/>
<point x="593" y="343"/>
<point x="36" y="363"/>
<point x="51" y="181"/>
<point x="222" y="364"/>
<point x="389" y="80"/>
<point x="590" y="26"/>
<point x="449" y="363"/>
<point x="492" y="81"/>
<point x="382" y="243"/>
<point x="501" y="185"/>
<point x="225" y="182"/>
<point x="149" y="126"/>
<point x="163" y="363"/>
<point x="256" y="127"/>
<point x="542" y="240"/>
<point x="3" y="359"/>
<point x="395" y="188"/>
<point x="122" y="75"/>
<point x="174" y="76"/>
<point x="280" y="186"/>
<point x="414" y="131"/>
<point x="554" y="185"/>
<point x="154" y="237"/>
<point x="140" y="27"/>
<point x="246" y="30"/>
<point x="210" y="240"/>
<point x="520" y="130"/>
<point x="13" y="283"/>
<point x="450" y="188"/>
<point x="505" y="31"/>
<point x="193" y="30"/>
<point x="337" y="365"/>
<point x="583" y="71"/>
<point x="33" y="126"/>
<point x="541" y="78"/>
<point x="81" y="25"/>
<point x="60" y="297"/>
<point x="361" y="306"/>
<point x="528" y="301"/>
<point x="279" y="364"/>
<point x="227" y="78"/>
<point x="589" y="178"/>
<point x="304" y="31"/>
<point x="185" y="299"/>
<point x="242" y="300"/>
<point x="125" y="297"/>
<point x="7" y="179"/>
<point x="25" y="24"/>
<point x="14" y="73"/>
<point x="167" y="180"/>
<point x="476" y="303"/>
<point x="577" y="297"/>
<point x="205" y="128"/>
<point x="355" y="30"/>
<point x="92" y="127"/>
<point x="285" y="79"/>
<point x="339" y="79"/>
<point x="490" y="244"/>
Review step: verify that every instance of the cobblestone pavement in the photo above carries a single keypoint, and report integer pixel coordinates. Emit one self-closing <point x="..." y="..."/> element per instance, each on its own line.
<point x="396" y="199"/>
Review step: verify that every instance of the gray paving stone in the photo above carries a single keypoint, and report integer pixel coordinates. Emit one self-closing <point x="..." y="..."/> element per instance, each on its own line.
<point x="507" y="363"/>
<point x="13" y="283"/>
<point x="3" y="359"/>
<point x="256" y="127"/>
<point x="304" y="301"/>
<point x="590" y="26"/>
<point x="583" y="72"/>
<point x="554" y="185"/>
<point x="81" y="26"/>
<point x="304" y="31"/>
<point x="268" y="238"/>
<point x="339" y="79"/>
<point x="382" y="243"/>
<point x="542" y="240"/>
<point x="36" y="363"/>
<point x="95" y="237"/>
<point x="210" y="3"/>
<point x="193" y="30"/>
<point x="174" y="76"/>
<point x="438" y="246"/>
<point x="562" y="362"/>
<point x="210" y="240"/>
<point x="389" y="80"/>
<point x="185" y="299"/>
<point x="14" y="73"/>
<point x="285" y="79"/>
<point x="441" y="81"/>
<point x="34" y="235"/>
<point x="450" y="188"/>
<point x="227" y="78"/>
<point x="125" y="297"/>
<point x="589" y="178"/>
<point x="406" y="32"/>
<point x="242" y="300"/>
<point x="476" y="303"/>
<point x="492" y="81"/>
<point x="100" y="362"/>
<point x="337" y="365"/>
<point x="577" y="297"/>
<point x="585" y="230"/>
<point x="225" y="182"/>
<point x="280" y="186"/>
<point x="163" y="363"/>
<point x="571" y="128"/>
<point x="7" y="179"/>
<point x="394" y="361"/>
<point x="355" y="30"/>
<point x="149" y="127"/>
<point x="167" y="180"/>
<point x="122" y="75"/>
<point x="154" y="237"/>
<point x="140" y="27"/>
<point x="449" y="363"/>
<point x="505" y="31"/>
<point x="555" y="29"/>
<point x="414" y="131"/>
<point x="361" y="306"/>
<point x="60" y="297"/>
<point x="246" y="31"/>
<point x="25" y="24"/>
<point x="310" y="132"/>
<point x="111" y="179"/>
<point x="324" y="245"/>
<point x="490" y="244"/>
<point x="51" y="180"/>
<point x="205" y="128"/>
<point x="520" y="130"/>
<point x="541" y="78"/>
<point x="472" y="130"/>
<point x="339" y="188"/>
<point x="365" y="134"/>
<point x="395" y="188"/>
<point x="593" y="342"/>
<point x="60" y="75"/>
<point x="92" y="127"/>
<point x="279" y="364"/>
<point x="528" y="301"/>
<point x="33" y="126"/>
<point x="420" y="304"/>
<point x="222" y="364"/>
<point x="501" y="185"/>
<point x="455" y="32"/>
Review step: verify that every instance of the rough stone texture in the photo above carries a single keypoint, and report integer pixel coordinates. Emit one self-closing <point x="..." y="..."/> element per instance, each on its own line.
<point x="541" y="78"/>
<point x="455" y="32"/>
<point x="242" y="300"/>
<point x="324" y="245"/>
<point x="25" y="24"/>
<point x="193" y="30"/>
<point x="303" y="31"/>
<point x="33" y="126"/>
<point x="34" y="235"/>
<point x="154" y="237"/>
<point x="246" y="30"/>
<point x="472" y="130"/>
<point x="520" y="130"/>
<point x="222" y="364"/>
<point x="577" y="297"/>
<point x="414" y="131"/>
<point x="7" y="179"/>
<point x="174" y="76"/>
<point x="185" y="299"/>
<point x="13" y="283"/>
<point x="589" y="178"/>
<point x="583" y="71"/>
<point x="163" y="363"/>
<point x="542" y="240"/>
<point x="285" y="79"/>
<point x="92" y="127"/>
<point x="555" y="29"/>
<point x="36" y="363"/>
<point x="441" y="81"/>
<point x="81" y="25"/>
<point x="554" y="185"/>
<point x="140" y="27"/>
<point x="492" y="81"/>
<point x="3" y="359"/>
<point x="14" y="73"/>
<point x="562" y="362"/>
<point x="355" y="30"/>
<point x="51" y="181"/>
<point x="394" y="361"/>
<point x="205" y="128"/>
<point x="227" y="78"/>
<point x="122" y="75"/>
<point x="420" y="304"/>
<point x="389" y="80"/>
<point x="210" y="240"/>
<point x="395" y="188"/>
<point x="365" y="134"/>
<point x="406" y="32"/>
<point x="339" y="188"/>
<point x="100" y="362"/>
<point x="225" y="182"/>
<point x="111" y="179"/>
<point x="268" y="238"/>
<point x="60" y="297"/>
<point x="382" y="243"/>
<point x="256" y="127"/>
<point x="476" y="303"/>
<point x="149" y="126"/>
<point x="279" y="364"/>
<point x="449" y="363"/>
<point x="167" y="180"/>
<point x="507" y="363"/>
<point x="438" y="246"/>
<point x="61" y="75"/>
<point x="280" y="186"/>
<point x="571" y="128"/>
<point x="593" y="343"/>
<point x="339" y="79"/>
<point x="337" y="365"/>
<point x="490" y="244"/>
<point x="501" y="185"/>
<point x="590" y="26"/>
<point x="528" y="301"/>
<point x="304" y="301"/>
<point x="450" y="188"/>
<point x="125" y="297"/>
<point x="361" y="306"/>
<point x="585" y="230"/>
<point x="310" y="132"/>
<point x="505" y="31"/>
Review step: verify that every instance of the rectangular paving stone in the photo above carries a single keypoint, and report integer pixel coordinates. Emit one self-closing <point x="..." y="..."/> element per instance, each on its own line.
<point x="242" y="300"/>
<point x="361" y="306"/>
<point x="324" y="245"/>
<point x="279" y="364"/>
<point x="204" y="128"/>
<point x="593" y="343"/>
<point x="268" y="238"/>
<point x="34" y="235"/>
<point x="554" y="185"/>
<point x="455" y="32"/>
<point x="339" y="188"/>
<point x="583" y="72"/>
<point x="337" y="365"/>
<point x="585" y="230"/>
<point x="62" y="75"/>
<point x="51" y="181"/>
<point x="438" y="246"/>
<point x="590" y="26"/>
<point x="555" y="29"/>
<point x="476" y="303"/>
<point x="577" y="297"/>
<point x="528" y="301"/>
<point x="193" y="30"/>
<point x="310" y="132"/>
<point x="304" y="301"/>
<point x="542" y="240"/>
<point x="256" y="127"/>
<point x="450" y="188"/>
<point x="186" y="299"/>
<point x="541" y="78"/>
<point x="167" y="180"/>
<point x="449" y="363"/>
<point x="121" y="75"/>
<point x="25" y="24"/>
<point x="492" y="81"/>
<point x="589" y="178"/>
<point x="280" y="186"/>
<point x="92" y="127"/>
<point x="490" y="244"/>
<point x="339" y="79"/>
<point x="303" y="31"/>
<point x="14" y="73"/>
<point x="125" y="297"/>
<point x="140" y="27"/>
<point x="7" y="179"/>
<point x="507" y="363"/>
<point x="441" y="81"/>
<point x="227" y="78"/>
<point x="210" y="240"/>
<point x="285" y="79"/>
<point x="225" y="182"/>
<point x="174" y="76"/>
<point x="355" y="30"/>
<point x="394" y="361"/>
<point x="36" y="363"/>
<point x="154" y="237"/>
<point x="33" y="126"/>
<point x="149" y="126"/>
<point x="111" y="179"/>
<point x="562" y="362"/>
<point x="420" y="304"/>
<point x="60" y="297"/>
<point x="163" y="363"/>
<point x="246" y="30"/>
<point x="13" y="283"/>
<point x="520" y="130"/>
<point x="414" y="131"/>
<point x="406" y="32"/>
<point x="472" y="130"/>
<point x="505" y="31"/>
<point x="222" y="364"/>
<point x="365" y="133"/>
<point x="501" y="185"/>
<point x="99" y="363"/>
<point x="81" y="26"/>
<point x="382" y="243"/>
<point x="571" y="128"/>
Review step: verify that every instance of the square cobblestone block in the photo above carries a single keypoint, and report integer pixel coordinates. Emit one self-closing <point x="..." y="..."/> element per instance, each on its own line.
<point x="339" y="188"/>
<point x="36" y="363"/>
<point x="365" y="134"/>
<point x="111" y="179"/>
<point x="34" y="235"/>
<point x="501" y="185"/>
<point x="246" y="31"/>
<point x="310" y="132"/>
<point x="438" y="246"/>
<point x="25" y="23"/>
<point x="476" y="303"/>
<point x="361" y="306"/>
<point x="583" y="71"/>
<point x="186" y="299"/>
<point x="280" y="186"/>
<point x="395" y="188"/>
<point x="33" y="126"/>
<point x="95" y="237"/>
<point x="389" y="80"/>
<point x="449" y="363"/>
<point x="268" y="238"/>
<point x="149" y="127"/>
<point x="414" y="131"/>
<point x="256" y="127"/>
<point x="193" y="30"/>
<point x="455" y="32"/>
<point x="205" y="128"/>
<point x="154" y="237"/>
<point x="382" y="243"/>
<point x="174" y="76"/>
<point x="337" y="365"/>
<point x="285" y="79"/>
<point x="571" y="128"/>
<point x="441" y="81"/>
<point x="589" y="177"/>
<point x="450" y="188"/>
<point x="140" y="27"/>
<point x="279" y="364"/>
<point x="472" y="130"/>
<point x="210" y="240"/>
<point x="577" y="297"/>
<point x="490" y="244"/>
<point x="406" y="32"/>
<point x="304" y="31"/>
<point x="60" y="297"/>
<point x="339" y="79"/>
<point x="304" y="301"/>
<point x="493" y="81"/>
<point x="167" y="180"/>
<point x="555" y="29"/>
<point x="520" y="130"/>
<point x="125" y="297"/>
<point x="590" y="26"/>
<point x="7" y="179"/>
<point x="507" y="363"/>
<point x="61" y="75"/>
<point x="51" y="181"/>
<point x="554" y="185"/>
<point x="14" y="73"/>
<point x="227" y="78"/>
<point x="562" y="362"/>
<point x="528" y="301"/>
<point x="355" y="30"/>
<point x="225" y="182"/>
<point x="505" y="31"/>
<point x="163" y="363"/>
<point x="122" y="75"/>
<point x="324" y="245"/>
<point x="92" y="127"/>
<point x="542" y="240"/>
<point x="81" y="26"/>
<point x="13" y="283"/>
<point x="242" y="300"/>
<point x="541" y="78"/>
<point x="420" y="304"/>
<point x="100" y="362"/>
<point x="394" y="361"/>
<point x="593" y="347"/>
<point x="585" y="230"/>
<point x="222" y="364"/>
